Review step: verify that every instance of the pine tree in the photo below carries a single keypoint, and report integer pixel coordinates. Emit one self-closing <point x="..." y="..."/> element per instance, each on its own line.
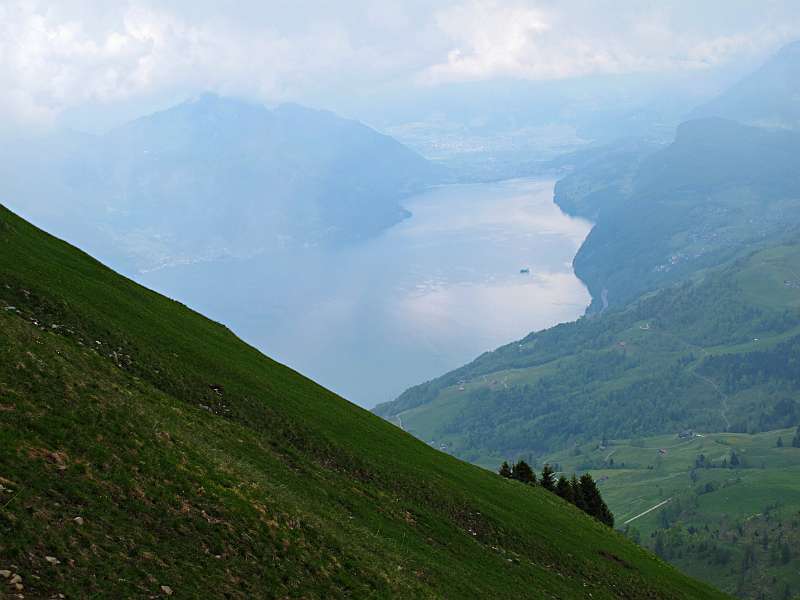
<point x="735" y="462"/>
<point x="505" y="470"/>
<point x="595" y="505"/>
<point x="523" y="472"/>
<point x="779" y="443"/>
<point x="564" y="489"/>
<point x="577" y="493"/>
<point x="548" y="480"/>
<point x="796" y="440"/>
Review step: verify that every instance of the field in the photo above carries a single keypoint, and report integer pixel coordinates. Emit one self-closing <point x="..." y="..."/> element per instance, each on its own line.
<point x="734" y="522"/>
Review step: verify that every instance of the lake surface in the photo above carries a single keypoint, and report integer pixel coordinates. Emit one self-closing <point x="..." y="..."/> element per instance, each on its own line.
<point x="426" y="296"/>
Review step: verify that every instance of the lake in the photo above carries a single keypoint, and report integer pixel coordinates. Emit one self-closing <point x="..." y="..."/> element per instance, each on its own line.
<point x="426" y="296"/>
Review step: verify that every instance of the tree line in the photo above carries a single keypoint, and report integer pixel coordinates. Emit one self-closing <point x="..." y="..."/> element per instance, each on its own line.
<point x="582" y="492"/>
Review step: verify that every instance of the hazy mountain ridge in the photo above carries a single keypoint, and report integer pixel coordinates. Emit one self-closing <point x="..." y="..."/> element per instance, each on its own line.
<point x="716" y="190"/>
<point x="654" y="207"/>
<point x="215" y="177"/>
<point x="769" y="97"/>
<point x="599" y="178"/>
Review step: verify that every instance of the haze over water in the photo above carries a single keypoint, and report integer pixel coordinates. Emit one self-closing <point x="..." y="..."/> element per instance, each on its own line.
<point x="424" y="297"/>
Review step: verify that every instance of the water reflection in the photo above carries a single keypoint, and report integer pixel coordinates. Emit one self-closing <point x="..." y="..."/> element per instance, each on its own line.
<point x="426" y="296"/>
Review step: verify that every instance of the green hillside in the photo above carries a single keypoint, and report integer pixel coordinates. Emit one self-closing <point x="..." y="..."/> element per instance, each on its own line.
<point x="674" y="360"/>
<point x="145" y="451"/>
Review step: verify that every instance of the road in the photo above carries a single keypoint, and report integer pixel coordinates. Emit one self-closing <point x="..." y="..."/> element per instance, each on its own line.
<point x="649" y="510"/>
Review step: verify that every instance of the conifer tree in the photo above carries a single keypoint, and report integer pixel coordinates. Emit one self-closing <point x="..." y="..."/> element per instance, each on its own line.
<point x="779" y="443"/>
<point x="564" y="489"/>
<point x="796" y="440"/>
<point x="548" y="480"/>
<point x="577" y="493"/>
<point x="595" y="505"/>
<point x="505" y="470"/>
<point x="523" y="472"/>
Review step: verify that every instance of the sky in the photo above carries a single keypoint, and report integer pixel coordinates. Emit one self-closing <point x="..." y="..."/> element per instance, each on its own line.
<point x="58" y="58"/>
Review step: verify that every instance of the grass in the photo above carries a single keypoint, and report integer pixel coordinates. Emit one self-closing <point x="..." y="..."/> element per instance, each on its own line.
<point x="150" y="452"/>
<point x="649" y="477"/>
<point x="759" y="497"/>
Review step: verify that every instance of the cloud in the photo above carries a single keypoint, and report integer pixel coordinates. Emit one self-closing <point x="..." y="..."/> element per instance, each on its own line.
<point x="50" y="61"/>
<point x="491" y="40"/>
<point x="540" y="41"/>
<point x="58" y="56"/>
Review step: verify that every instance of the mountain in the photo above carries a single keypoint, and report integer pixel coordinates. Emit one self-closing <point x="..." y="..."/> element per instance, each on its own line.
<point x="146" y="451"/>
<point x="216" y="177"/>
<point x="769" y="97"/>
<point x="600" y="177"/>
<point x="717" y="190"/>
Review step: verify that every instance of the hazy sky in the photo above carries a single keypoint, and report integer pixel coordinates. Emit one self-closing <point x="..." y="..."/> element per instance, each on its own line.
<point x="56" y="56"/>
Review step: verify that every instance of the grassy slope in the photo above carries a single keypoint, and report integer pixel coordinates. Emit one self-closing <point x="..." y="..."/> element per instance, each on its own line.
<point x="270" y="486"/>
<point x="578" y="381"/>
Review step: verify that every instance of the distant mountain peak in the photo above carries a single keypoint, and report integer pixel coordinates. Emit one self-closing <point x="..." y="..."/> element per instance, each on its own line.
<point x="768" y="97"/>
